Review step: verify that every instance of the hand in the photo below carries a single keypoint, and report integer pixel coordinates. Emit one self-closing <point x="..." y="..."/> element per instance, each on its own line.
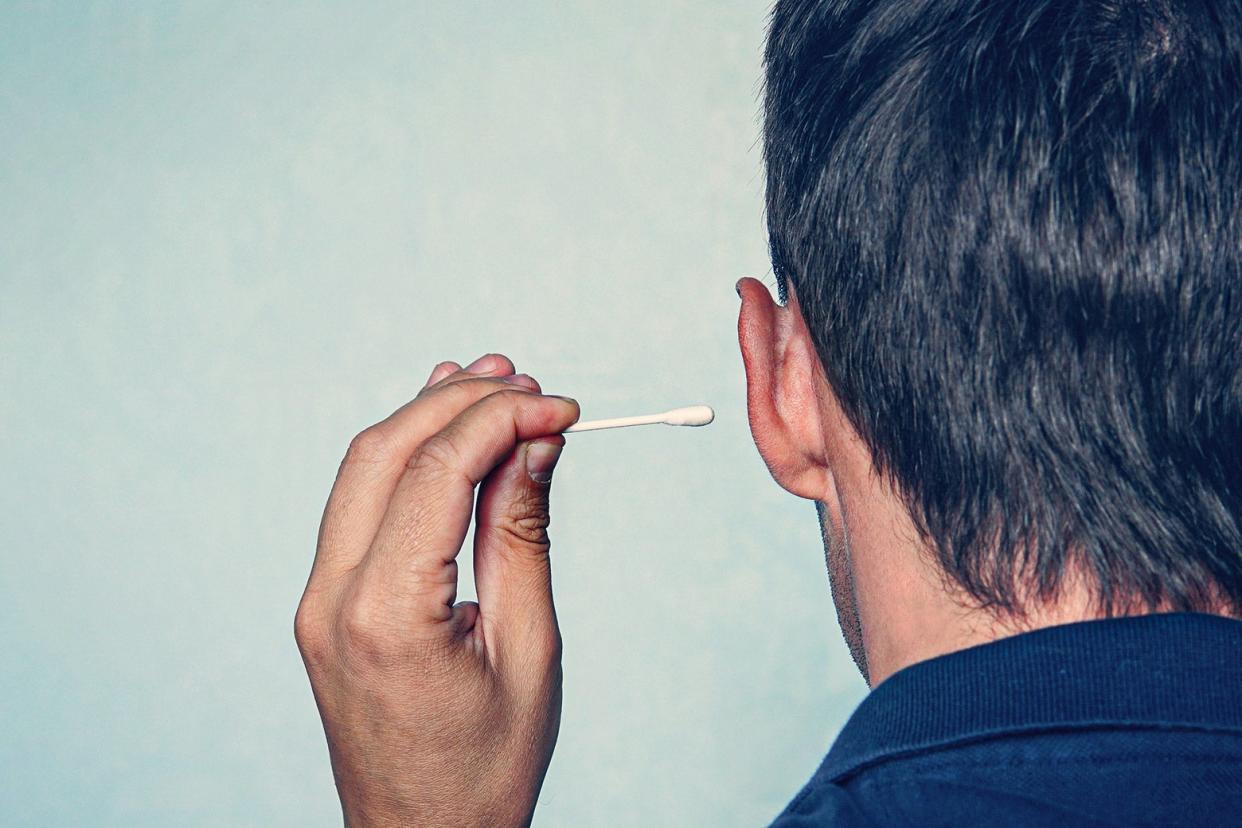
<point x="440" y="713"/>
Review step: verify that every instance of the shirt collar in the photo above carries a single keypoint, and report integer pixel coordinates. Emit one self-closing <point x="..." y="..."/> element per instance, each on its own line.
<point x="1175" y="670"/>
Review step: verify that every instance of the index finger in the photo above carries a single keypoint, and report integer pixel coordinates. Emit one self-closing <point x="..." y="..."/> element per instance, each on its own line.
<point x="414" y="557"/>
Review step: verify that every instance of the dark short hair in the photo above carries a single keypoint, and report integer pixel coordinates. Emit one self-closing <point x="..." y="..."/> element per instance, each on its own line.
<point x="1015" y="231"/>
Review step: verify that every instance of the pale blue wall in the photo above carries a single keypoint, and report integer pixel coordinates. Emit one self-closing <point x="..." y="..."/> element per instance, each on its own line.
<point x="231" y="237"/>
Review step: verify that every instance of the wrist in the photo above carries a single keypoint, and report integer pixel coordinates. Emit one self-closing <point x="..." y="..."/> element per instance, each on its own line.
<point x="459" y="814"/>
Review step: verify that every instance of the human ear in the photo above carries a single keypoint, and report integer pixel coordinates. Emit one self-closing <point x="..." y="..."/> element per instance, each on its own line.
<point x="783" y="373"/>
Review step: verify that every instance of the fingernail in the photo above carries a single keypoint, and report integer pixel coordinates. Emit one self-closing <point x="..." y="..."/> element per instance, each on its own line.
<point x="518" y="379"/>
<point x="738" y="287"/>
<point x="540" y="460"/>
<point x="482" y="365"/>
<point x="566" y="399"/>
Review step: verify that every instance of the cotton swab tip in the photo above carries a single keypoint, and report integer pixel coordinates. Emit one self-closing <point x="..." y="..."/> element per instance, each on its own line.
<point x="693" y="415"/>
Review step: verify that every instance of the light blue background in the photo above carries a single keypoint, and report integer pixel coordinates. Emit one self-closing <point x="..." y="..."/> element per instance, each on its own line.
<point x="232" y="236"/>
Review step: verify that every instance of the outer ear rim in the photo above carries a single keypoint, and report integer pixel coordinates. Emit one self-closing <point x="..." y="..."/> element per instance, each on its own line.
<point x="792" y="451"/>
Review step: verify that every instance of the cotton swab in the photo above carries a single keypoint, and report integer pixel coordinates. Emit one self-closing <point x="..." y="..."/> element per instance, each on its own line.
<point x="695" y="415"/>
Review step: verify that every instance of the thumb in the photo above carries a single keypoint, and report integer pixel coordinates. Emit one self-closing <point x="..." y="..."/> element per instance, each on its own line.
<point x="512" y="569"/>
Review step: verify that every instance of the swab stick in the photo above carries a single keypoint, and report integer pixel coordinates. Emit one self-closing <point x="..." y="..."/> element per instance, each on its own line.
<point x="695" y="415"/>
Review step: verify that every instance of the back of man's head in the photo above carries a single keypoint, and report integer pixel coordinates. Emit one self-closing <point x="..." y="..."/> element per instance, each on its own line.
<point x="1015" y="233"/>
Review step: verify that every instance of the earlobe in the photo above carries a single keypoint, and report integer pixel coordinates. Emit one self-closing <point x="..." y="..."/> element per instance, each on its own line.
<point x="781" y="400"/>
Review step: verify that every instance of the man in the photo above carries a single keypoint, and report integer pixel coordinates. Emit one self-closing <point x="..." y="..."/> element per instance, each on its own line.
<point x="1009" y="375"/>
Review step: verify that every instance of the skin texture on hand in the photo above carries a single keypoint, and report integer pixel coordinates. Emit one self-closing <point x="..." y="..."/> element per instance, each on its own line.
<point x="438" y="712"/>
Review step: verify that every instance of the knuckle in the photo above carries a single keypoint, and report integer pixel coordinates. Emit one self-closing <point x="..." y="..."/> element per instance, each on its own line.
<point x="310" y="632"/>
<point x="438" y="453"/>
<point x="552" y="649"/>
<point x="371" y="445"/>
<point x="365" y="634"/>
<point x="528" y="530"/>
<point x="544" y="653"/>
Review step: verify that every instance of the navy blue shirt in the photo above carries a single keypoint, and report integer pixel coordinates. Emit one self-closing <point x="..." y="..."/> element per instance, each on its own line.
<point x="1128" y="721"/>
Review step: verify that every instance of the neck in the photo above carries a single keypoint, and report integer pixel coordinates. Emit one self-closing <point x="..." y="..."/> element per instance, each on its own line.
<point x="908" y="611"/>
<point x="908" y="617"/>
